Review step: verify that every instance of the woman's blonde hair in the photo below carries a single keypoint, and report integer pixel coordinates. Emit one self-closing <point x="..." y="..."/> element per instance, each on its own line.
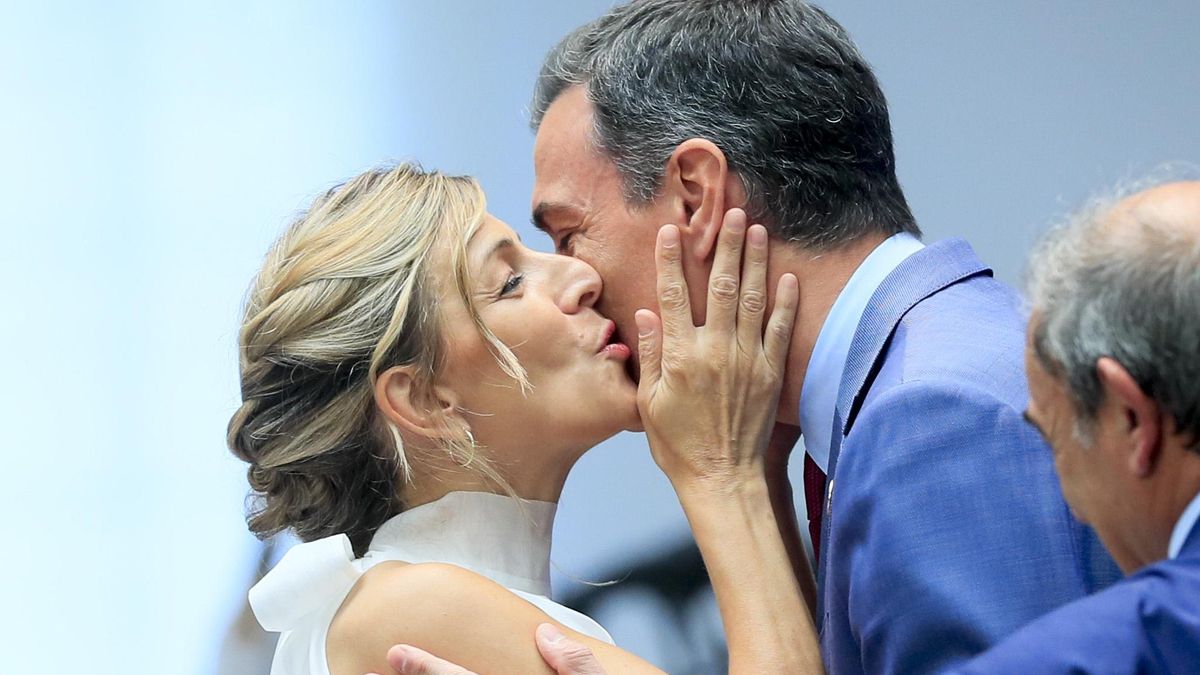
<point x="344" y="294"/>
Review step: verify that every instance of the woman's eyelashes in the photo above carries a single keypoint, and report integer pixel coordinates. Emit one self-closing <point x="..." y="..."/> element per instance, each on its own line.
<point x="511" y="284"/>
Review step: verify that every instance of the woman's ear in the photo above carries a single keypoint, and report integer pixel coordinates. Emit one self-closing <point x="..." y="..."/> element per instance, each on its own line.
<point x="699" y="175"/>
<point x="423" y="411"/>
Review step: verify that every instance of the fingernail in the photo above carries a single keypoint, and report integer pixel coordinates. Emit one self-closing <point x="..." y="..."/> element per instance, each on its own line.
<point x="553" y="635"/>
<point x="670" y="236"/>
<point x="404" y="658"/>
<point x="757" y="235"/>
<point x="643" y="325"/>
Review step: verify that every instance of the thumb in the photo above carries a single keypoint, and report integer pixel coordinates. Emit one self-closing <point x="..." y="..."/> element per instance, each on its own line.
<point x="649" y="348"/>
<point x="409" y="660"/>
<point x="565" y="656"/>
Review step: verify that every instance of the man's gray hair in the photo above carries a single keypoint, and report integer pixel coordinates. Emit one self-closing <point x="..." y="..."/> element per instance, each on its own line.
<point x="776" y="84"/>
<point x="1126" y="286"/>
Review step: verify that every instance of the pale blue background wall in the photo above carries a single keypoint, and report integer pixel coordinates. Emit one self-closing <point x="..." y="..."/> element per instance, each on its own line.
<point x="152" y="150"/>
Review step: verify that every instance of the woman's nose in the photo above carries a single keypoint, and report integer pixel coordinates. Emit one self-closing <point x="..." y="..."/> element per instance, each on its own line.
<point x="581" y="285"/>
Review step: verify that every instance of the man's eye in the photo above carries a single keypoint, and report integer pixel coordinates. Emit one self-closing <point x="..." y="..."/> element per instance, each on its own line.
<point x="511" y="284"/>
<point x="564" y="244"/>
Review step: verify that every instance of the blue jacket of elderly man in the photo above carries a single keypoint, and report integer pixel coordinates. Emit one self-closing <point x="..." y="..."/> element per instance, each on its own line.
<point x="1148" y="623"/>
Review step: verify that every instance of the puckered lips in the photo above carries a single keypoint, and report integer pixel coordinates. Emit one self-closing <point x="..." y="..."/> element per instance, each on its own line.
<point x="610" y="343"/>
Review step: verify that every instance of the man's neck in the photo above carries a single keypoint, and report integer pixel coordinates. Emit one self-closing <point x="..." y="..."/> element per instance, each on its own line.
<point x="1159" y="508"/>
<point x="822" y="276"/>
<point x="1183" y="488"/>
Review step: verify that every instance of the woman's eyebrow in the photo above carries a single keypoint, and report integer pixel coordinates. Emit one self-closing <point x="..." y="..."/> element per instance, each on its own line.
<point x="500" y="245"/>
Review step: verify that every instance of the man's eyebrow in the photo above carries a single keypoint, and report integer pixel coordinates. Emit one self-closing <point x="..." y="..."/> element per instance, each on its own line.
<point x="542" y="210"/>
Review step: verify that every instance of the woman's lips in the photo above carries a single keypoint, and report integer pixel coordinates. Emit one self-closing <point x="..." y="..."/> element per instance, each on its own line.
<point x="610" y="348"/>
<point x="617" y="350"/>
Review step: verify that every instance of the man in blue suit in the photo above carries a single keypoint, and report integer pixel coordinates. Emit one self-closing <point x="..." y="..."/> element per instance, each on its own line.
<point x="1114" y="360"/>
<point x="940" y="528"/>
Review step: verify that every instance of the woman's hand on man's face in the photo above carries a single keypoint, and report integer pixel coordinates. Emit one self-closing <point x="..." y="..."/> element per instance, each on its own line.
<point x="708" y="394"/>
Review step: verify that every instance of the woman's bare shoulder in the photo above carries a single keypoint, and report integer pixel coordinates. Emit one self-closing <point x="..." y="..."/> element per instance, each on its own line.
<point x="423" y="604"/>
<point x="397" y="586"/>
<point x="449" y="611"/>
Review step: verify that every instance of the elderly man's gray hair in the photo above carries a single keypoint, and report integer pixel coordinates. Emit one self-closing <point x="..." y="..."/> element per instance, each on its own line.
<point x="776" y="84"/>
<point x="1126" y="286"/>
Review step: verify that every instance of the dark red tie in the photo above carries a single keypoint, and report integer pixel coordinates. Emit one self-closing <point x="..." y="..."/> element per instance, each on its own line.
<point x="814" y="499"/>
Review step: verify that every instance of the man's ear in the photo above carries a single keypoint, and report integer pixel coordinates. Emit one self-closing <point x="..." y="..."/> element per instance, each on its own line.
<point x="1137" y="418"/>
<point x="698" y="176"/>
<point x="428" y="412"/>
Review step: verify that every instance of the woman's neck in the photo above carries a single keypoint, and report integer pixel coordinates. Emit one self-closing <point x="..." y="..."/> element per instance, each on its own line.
<point x="540" y="483"/>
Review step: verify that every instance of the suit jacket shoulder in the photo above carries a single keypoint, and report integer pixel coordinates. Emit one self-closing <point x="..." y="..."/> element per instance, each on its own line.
<point x="971" y="333"/>
<point x="1148" y="623"/>
<point x="945" y="528"/>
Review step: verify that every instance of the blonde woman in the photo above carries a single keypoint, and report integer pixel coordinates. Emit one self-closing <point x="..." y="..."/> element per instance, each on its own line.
<point x="416" y="386"/>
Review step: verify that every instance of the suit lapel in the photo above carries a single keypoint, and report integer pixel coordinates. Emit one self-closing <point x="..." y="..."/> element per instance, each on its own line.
<point x="835" y="446"/>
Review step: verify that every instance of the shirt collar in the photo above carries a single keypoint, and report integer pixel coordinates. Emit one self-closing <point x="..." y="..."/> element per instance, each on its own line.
<point x="819" y="393"/>
<point x="1184" y="527"/>
<point x="502" y="538"/>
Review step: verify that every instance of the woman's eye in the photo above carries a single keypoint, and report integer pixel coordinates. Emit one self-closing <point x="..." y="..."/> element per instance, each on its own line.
<point x="511" y="284"/>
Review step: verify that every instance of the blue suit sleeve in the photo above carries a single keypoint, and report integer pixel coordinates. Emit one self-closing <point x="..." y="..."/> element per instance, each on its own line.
<point x="948" y="520"/>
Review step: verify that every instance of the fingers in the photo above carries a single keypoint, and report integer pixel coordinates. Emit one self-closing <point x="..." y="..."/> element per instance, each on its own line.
<point x="674" y="307"/>
<point x="408" y="660"/>
<point x="753" y="299"/>
<point x="649" y="348"/>
<point x="724" y="280"/>
<point x="779" y="329"/>
<point x="565" y="656"/>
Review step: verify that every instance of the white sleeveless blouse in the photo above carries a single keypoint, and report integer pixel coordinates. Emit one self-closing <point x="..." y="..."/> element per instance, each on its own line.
<point x="505" y="540"/>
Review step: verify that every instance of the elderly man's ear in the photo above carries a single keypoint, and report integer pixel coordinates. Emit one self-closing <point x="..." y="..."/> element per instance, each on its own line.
<point x="1136" y="419"/>
<point x="702" y="187"/>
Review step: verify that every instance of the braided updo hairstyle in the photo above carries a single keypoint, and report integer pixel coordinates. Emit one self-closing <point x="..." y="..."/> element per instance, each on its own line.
<point x="344" y="294"/>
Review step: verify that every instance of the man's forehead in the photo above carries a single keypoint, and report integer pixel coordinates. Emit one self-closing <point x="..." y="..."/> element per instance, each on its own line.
<point x="566" y="117"/>
<point x="563" y="142"/>
<point x="564" y="187"/>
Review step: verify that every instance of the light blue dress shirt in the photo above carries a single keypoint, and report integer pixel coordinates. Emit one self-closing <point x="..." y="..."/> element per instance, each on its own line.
<point x="819" y="394"/>
<point x="1183" y="528"/>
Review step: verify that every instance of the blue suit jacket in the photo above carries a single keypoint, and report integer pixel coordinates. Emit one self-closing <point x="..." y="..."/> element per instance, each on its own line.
<point x="944" y="528"/>
<point x="1149" y="623"/>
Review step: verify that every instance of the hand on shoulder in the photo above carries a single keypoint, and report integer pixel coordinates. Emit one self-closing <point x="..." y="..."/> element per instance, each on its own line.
<point x="450" y="611"/>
